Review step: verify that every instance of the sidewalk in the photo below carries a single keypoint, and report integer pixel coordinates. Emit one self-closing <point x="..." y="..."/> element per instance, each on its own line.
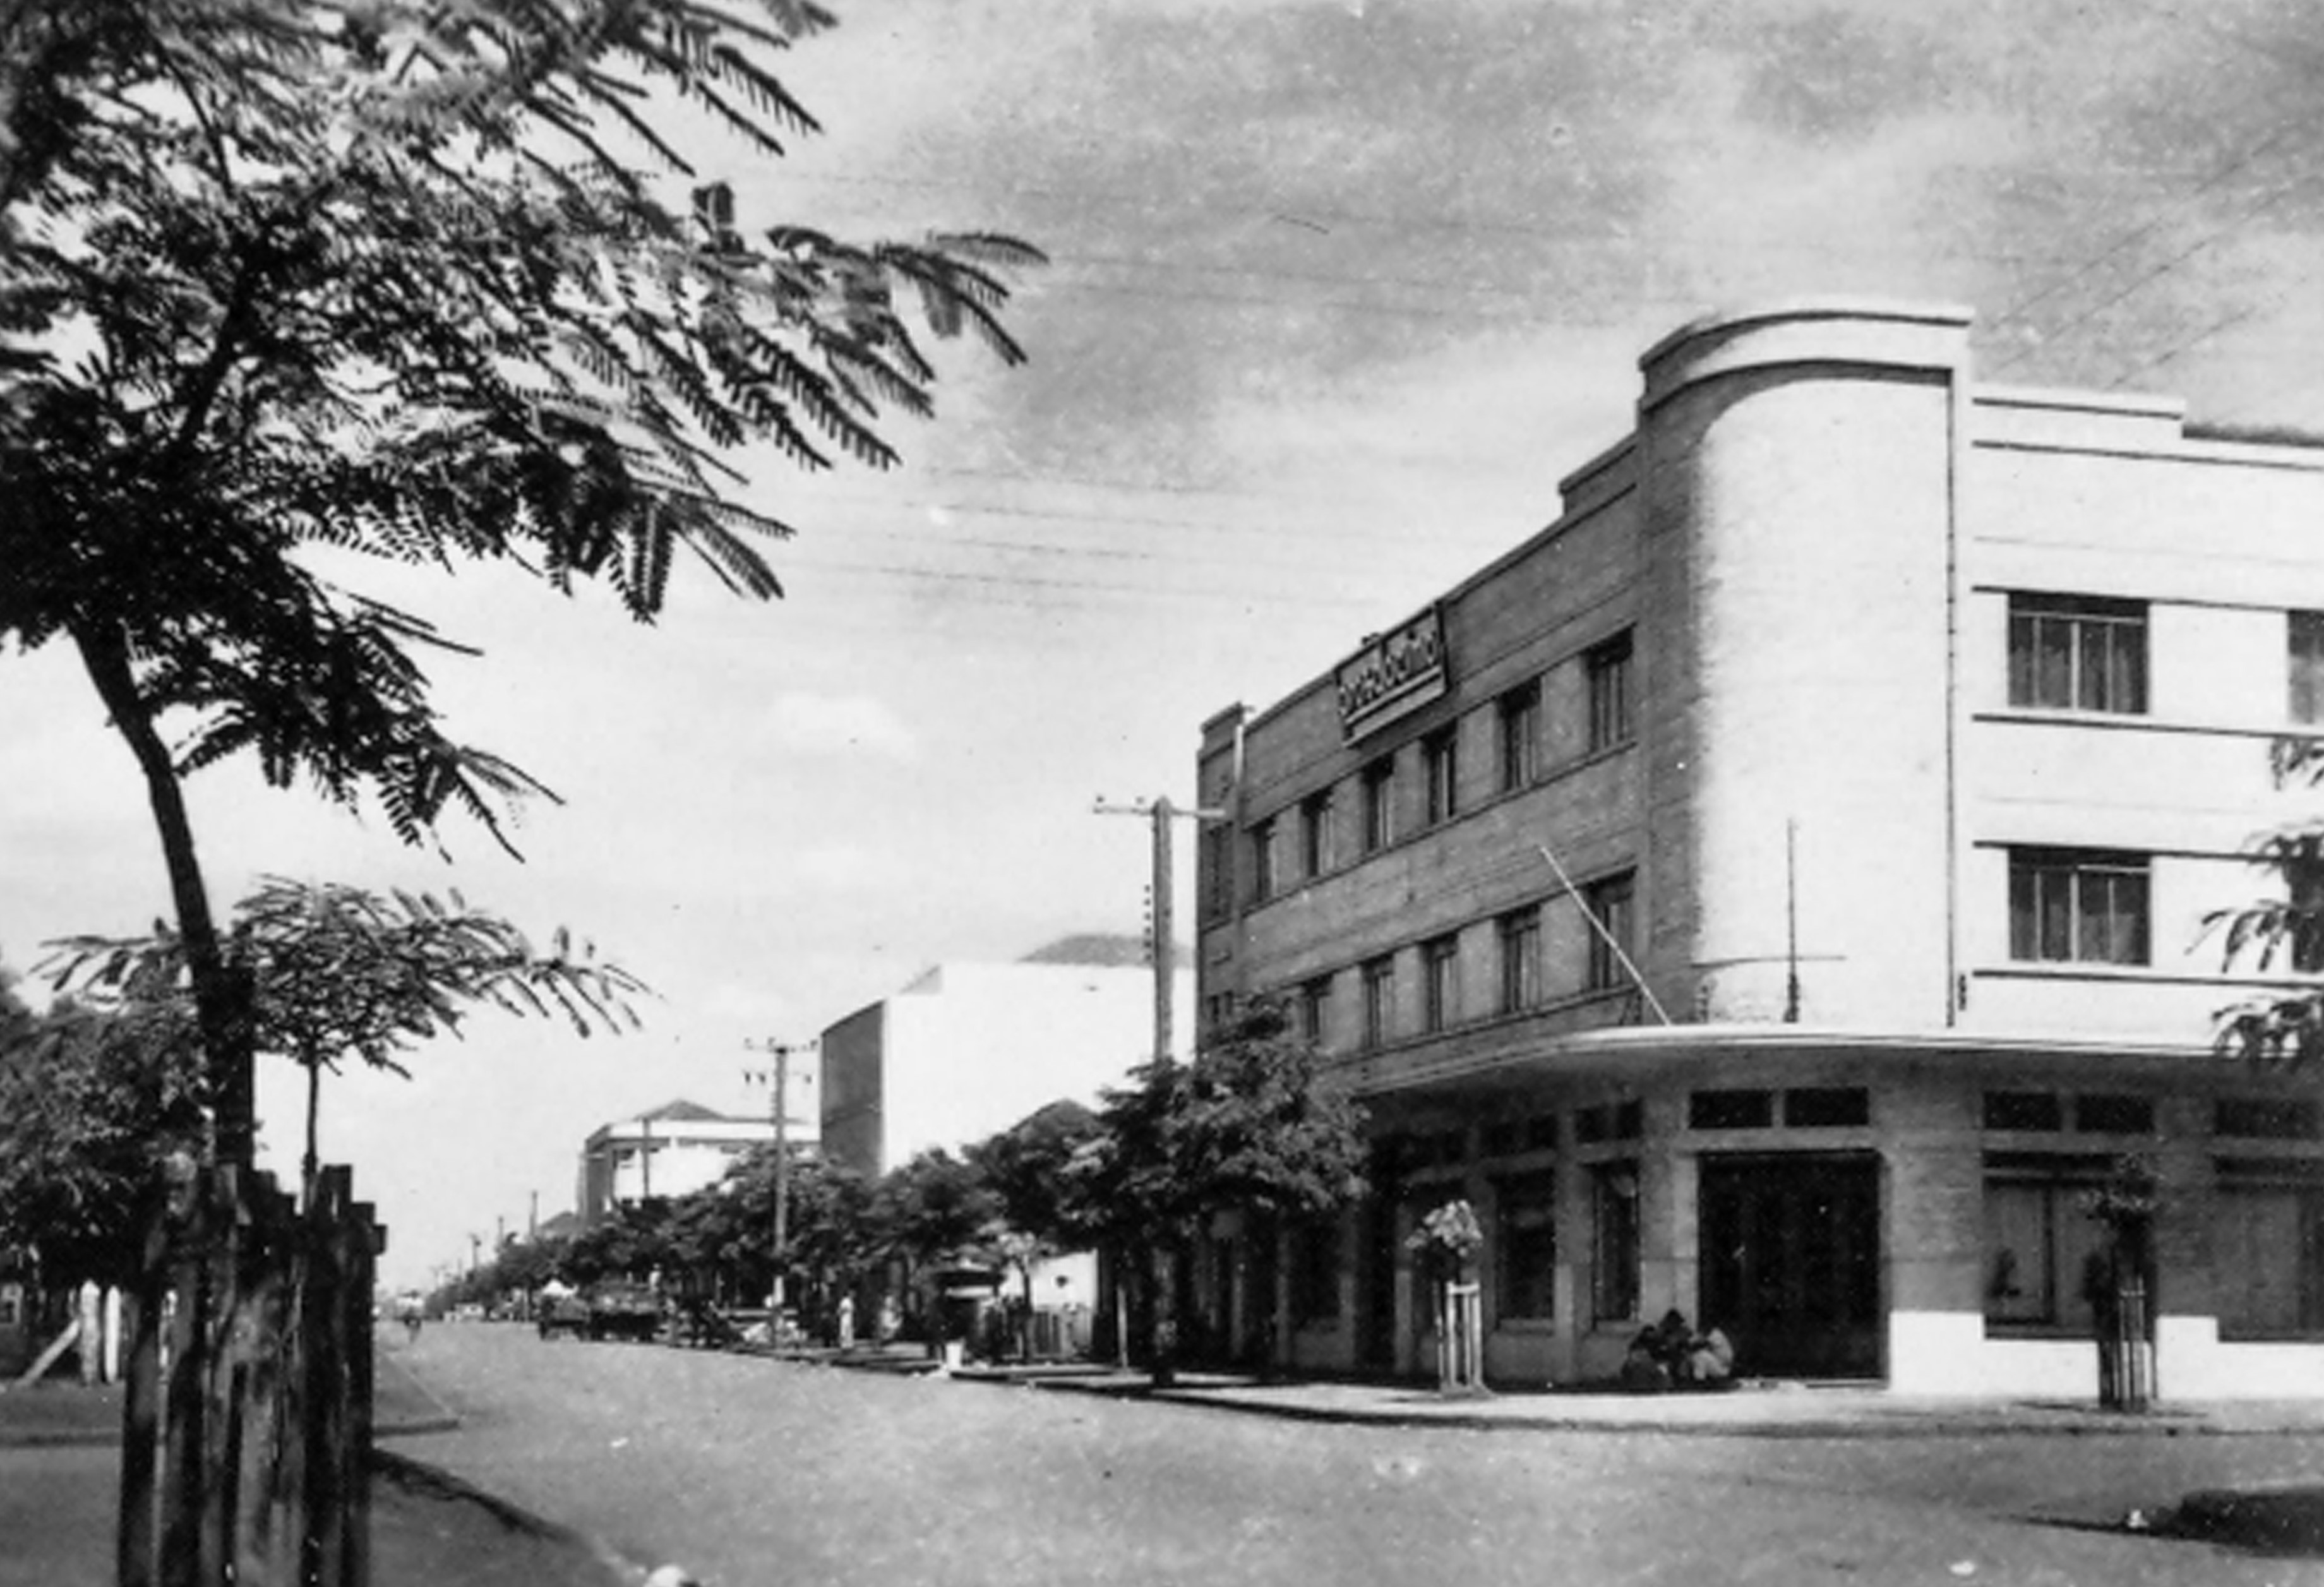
<point x="61" y="1444"/>
<point x="1751" y="1409"/>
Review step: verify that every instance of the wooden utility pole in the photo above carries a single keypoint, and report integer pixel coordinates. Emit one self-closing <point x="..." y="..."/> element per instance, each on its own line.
<point x="779" y="1082"/>
<point x="1161" y="812"/>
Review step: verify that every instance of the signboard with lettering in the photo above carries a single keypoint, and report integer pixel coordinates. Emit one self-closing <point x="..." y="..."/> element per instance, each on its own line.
<point x="1395" y="674"/>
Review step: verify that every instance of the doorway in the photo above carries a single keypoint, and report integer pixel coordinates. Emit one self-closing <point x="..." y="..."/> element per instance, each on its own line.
<point x="1790" y="1261"/>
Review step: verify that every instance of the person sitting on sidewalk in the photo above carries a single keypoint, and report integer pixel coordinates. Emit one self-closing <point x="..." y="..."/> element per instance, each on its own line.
<point x="1709" y="1361"/>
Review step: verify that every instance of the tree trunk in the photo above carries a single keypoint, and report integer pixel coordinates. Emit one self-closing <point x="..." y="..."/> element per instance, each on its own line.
<point x="1165" y="1313"/>
<point x="221" y="998"/>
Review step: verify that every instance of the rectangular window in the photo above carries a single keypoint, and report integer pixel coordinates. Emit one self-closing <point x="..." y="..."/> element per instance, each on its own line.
<point x="2077" y="905"/>
<point x="2108" y="1114"/>
<point x="1263" y="879"/>
<point x="2267" y="1119"/>
<point x="1611" y="904"/>
<point x="1520" y="938"/>
<point x="1730" y="1109"/>
<point x="1440" y="756"/>
<point x="1525" y="1248"/>
<point x="1380" y="1001"/>
<point x="1315" y="834"/>
<point x="2039" y="1246"/>
<point x="2024" y="1110"/>
<point x="1380" y="805"/>
<point x="1827" y="1107"/>
<point x="1517" y="716"/>
<point x="2078" y="653"/>
<point x="1314" y="1012"/>
<point x="1213" y="850"/>
<point x="1440" y="961"/>
<point x="1614" y="1242"/>
<point x="2304" y="650"/>
<point x="1315" y="1274"/>
<point x="2267" y="1250"/>
<point x="1608" y="665"/>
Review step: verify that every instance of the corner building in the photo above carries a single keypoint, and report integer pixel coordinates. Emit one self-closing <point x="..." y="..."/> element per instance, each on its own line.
<point x="1900" y="733"/>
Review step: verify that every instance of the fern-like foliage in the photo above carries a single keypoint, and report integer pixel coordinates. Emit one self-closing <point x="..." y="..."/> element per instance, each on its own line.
<point x="341" y="974"/>
<point x="416" y="280"/>
<point x="2281" y="935"/>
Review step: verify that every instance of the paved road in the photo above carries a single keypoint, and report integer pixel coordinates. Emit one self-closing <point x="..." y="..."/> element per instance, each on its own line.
<point x="758" y="1472"/>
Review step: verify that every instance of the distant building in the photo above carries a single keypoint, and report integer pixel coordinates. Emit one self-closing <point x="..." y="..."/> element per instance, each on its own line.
<point x="969" y="1049"/>
<point x="675" y="1150"/>
<point x="1777" y="888"/>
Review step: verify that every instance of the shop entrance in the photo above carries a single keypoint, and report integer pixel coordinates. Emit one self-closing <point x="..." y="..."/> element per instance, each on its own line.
<point x="1790" y="1261"/>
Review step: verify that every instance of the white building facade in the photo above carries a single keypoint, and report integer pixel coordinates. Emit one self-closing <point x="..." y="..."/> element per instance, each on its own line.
<point x="671" y="1151"/>
<point x="1778" y="889"/>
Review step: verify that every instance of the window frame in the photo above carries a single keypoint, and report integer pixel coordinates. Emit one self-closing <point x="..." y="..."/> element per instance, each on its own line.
<point x="1439" y="766"/>
<point x="2303" y="651"/>
<point x="1615" y="1252"/>
<point x="1378" y="980"/>
<point x="1266" y="863"/>
<point x="1516" y="717"/>
<point x="1378" y="781"/>
<point x="2050" y="630"/>
<point x="2064" y="881"/>
<point x="1612" y="902"/>
<point x="1315" y="832"/>
<point x="1314" y="1002"/>
<point x="1608" y="670"/>
<point x="1525" y="1220"/>
<point x="1517" y="934"/>
<point x="1440" y="982"/>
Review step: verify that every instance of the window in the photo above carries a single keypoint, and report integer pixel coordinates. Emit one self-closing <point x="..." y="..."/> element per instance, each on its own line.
<point x="2024" y="1110"/>
<point x="1315" y="834"/>
<point x="2040" y="1245"/>
<point x="1827" y="1107"/>
<point x="1517" y="716"/>
<point x="2078" y="653"/>
<point x="1730" y="1109"/>
<point x="2305" y="653"/>
<point x="1380" y="805"/>
<point x="1440" y="964"/>
<point x="1614" y="1242"/>
<point x="1263" y="878"/>
<point x="1380" y="1001"/>
<point x="2108" y="1114"/>
<point x="1315" y="1274"/>
<point x="2267" y="1250"/>
<point x="1440" y="757"/>
<point x="2267" y="1119"/>
<point x="1520" y="937"/>
<point x="1212" y="848"/>
<point x="1526" y="1247"/>
<point x="1608" y="665"/>
<point x="1610" y="903"/>
<point x="1314" y="1010"/>
<point x="2077" y="905"/>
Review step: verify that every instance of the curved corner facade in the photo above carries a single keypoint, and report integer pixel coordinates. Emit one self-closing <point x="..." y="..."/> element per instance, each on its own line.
<point x="1775" y="889"/>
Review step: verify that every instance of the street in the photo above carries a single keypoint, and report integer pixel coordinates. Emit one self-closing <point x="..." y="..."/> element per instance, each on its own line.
<point x="750" y="1471"/>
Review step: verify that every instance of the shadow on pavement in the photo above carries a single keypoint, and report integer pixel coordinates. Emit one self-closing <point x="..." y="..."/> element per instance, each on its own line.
<point x="429" y="1526"/>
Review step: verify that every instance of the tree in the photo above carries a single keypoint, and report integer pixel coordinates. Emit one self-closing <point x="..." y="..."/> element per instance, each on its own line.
<point x="91" y="1103"/>
<point x="336" y="973"/>
<point x="1030" y="1167"/>
<point x="2281" y="1028"/>
<point x="292" y="286"/>
<point x="1244" y="1126"/>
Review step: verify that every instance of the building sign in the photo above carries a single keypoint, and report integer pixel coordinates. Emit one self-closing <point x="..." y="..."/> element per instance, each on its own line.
<point x="1394" y="675"/>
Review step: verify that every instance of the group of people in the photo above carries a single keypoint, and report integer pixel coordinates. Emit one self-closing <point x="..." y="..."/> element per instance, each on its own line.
<point x="1670" y="1355"/>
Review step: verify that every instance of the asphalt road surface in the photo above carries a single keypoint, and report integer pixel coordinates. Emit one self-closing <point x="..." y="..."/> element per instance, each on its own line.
<point x="758" y="1474"/>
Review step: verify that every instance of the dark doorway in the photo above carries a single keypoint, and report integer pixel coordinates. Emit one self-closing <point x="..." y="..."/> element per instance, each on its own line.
<point x="1790" y="1261"/>
<point x="1376" y="1299"/>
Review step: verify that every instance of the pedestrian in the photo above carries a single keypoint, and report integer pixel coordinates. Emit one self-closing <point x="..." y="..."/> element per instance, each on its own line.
<point x="846" y="1322"/>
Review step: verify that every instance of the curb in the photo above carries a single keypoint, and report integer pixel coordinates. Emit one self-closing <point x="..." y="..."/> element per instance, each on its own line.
<point x="1874" y="1426"/>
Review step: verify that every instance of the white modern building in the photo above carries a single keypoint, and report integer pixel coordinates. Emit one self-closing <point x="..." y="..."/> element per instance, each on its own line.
<point x="970" y="1048"/>
<point x="673" y="1150"/>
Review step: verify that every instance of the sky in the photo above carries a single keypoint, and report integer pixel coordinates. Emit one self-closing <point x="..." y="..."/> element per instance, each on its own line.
<point x="1338" y="292"/>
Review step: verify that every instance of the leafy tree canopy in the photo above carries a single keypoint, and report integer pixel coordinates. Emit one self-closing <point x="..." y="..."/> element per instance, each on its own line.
<point x="409" y="280"/>
<point x="2283" y="1028"/>
<point x="1244" y="1125"/>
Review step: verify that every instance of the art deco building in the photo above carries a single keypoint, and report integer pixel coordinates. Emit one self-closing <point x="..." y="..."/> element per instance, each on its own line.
<point x="1778" y="889"/>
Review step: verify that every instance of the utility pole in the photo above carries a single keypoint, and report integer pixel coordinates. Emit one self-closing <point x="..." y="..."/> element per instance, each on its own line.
<point x="1161" y="812"/>
<point x="779" y="1082"/>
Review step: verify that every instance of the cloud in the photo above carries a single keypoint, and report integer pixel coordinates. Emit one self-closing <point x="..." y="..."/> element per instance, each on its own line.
<point x="839" y="724"/>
